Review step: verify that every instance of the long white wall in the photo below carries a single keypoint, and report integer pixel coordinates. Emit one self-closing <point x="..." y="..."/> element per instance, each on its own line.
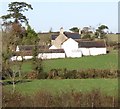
<point x="92" y="51"/>
<point x="51" y="55"/>
<point x="40" y="55"/>
<point x="85" y="51"/>
<point x="73" y="53"/>
<point x="19" y="58"/>
<point x="97" y="51"/>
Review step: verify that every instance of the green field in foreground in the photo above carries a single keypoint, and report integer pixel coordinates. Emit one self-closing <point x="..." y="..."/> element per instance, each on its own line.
<point x="107" y="86"/>
<point x="108" y="61"/>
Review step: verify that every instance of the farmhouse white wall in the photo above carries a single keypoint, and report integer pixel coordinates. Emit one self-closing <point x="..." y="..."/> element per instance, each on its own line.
<point x="73" y="53"/>
<point x="70" y="47"/>
<point x="27" y="57"/>
<point x="70" y="44"/>
<point x="97" y="51"/>
<point x="76" y="53"/>
<point x="19" y="58"/>
<point x="51" y="55"/>
<point x="85" y="51"/>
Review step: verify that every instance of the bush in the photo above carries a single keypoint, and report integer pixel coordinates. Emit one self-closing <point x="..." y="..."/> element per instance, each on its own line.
<point x="52" y="74"/>
<point x="94" y="98"/>
<point x="70" y="74"/>
<point x="42" y="75"/>
<point x="12" y="100"/>
<point x="31" y="75"/>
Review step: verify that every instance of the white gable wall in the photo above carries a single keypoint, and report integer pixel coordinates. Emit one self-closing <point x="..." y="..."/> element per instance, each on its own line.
<point x="70" y="44"/>
<point x="70" y="47"/>
<point x="53" y="47"/>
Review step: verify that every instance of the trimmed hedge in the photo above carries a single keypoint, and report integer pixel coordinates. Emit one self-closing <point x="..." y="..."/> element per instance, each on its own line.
<point x="82" y="74"/>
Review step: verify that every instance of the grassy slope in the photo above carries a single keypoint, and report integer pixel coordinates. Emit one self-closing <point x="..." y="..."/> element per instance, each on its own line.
<point x="99" y="62"/>
<point x="109" y="61"/>
<point x="108" y="86"/>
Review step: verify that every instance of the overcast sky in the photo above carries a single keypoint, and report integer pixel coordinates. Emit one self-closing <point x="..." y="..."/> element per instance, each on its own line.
<point x="69" y="14"/>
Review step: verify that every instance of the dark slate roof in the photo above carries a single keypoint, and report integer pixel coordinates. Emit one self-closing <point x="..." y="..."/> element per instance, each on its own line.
<point x="72" y="35"/>
<point x="29" y="53"/>
<point x="25" y="53"/>
<point x="90" y="44"/>
<point x="31" y="47"/>
<point x="52" y="51"/>
<point x="53" y="37"/>
<point x="67" y="34"/>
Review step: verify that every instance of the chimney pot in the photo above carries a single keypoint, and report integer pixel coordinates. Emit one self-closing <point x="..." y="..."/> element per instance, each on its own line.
<point x="61" y="30"/>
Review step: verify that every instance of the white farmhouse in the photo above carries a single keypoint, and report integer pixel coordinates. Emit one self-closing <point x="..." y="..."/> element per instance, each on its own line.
<point x="76" y="47"/>
<point x="57" y="40"/>
<point x="65" y="44"/>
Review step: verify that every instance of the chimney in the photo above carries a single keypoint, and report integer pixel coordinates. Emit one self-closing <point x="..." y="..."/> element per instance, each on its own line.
<point x="61" y="30"/>
<point x="79" y="31"/>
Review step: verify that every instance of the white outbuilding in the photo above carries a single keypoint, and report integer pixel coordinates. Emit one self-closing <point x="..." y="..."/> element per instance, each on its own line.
<point x="92" y="48"/>
<point x="52" y="54"/>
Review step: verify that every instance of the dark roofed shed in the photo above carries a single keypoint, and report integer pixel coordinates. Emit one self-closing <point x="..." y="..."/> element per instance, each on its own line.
<point x="91" y="44"/>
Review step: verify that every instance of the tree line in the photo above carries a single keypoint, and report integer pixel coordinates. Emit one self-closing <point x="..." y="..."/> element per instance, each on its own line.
<point x="87" y="32"/>
<point x="13" y="34"/>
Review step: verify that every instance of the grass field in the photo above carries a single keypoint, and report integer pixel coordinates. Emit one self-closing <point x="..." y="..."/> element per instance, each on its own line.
<point x="108" y="61"/>
<point x="107" y="86"/>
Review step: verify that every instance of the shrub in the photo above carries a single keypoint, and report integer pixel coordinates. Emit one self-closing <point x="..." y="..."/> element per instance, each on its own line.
<point x="94" y="98"/>
<point x="31" y="75"/>
<point x="12" y="100"/>
<point x="42" y="75"/>
<point x="52" y="74"/>
<point x="70" y="74"/>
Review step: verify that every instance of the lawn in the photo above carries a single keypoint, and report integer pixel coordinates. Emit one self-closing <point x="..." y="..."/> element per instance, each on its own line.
<point x="108" y="61"/>
<point x="107" y="86"/>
